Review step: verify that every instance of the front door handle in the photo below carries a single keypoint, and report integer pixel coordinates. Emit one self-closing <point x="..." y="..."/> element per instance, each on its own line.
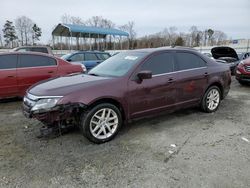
<point x="51" y="72"/>
<point x="205" y="74"/>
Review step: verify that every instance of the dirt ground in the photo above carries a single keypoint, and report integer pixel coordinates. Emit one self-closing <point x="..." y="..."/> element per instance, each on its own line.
<point x="211" y="151"/>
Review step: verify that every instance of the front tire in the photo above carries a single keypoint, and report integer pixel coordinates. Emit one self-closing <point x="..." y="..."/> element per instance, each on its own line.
<point x="101" y="123"/>
<point x="211" y="99"/>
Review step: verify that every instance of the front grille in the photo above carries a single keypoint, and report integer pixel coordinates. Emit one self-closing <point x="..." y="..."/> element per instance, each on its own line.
<point x="247" y="68"/>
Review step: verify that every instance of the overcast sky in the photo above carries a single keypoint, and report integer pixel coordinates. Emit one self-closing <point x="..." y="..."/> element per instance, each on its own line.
<point x="150" y="16"/>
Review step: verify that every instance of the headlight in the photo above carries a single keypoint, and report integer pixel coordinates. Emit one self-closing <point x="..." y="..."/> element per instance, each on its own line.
<point x="44" y="104"/>
<point x="241" y="63"/>
<point x="238" y="72"/>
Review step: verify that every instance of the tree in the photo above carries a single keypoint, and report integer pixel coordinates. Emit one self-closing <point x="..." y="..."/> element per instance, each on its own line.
<point x="170" y="35"/>
<point x="179" y="41"/>
<point x="130" y="28"/>
<point x="198" y="38"/>
<point x="24" y="27"/>
<point x="193" y="33"/>
<point x="37" y="33"/>
<point x="218" y="38"/>
<point x="67" y="19"/>
<point x="210" y="33"/>
<point x="99" y="21"/>
<point x="95" y="21"/>
<point x="9" y="33"/>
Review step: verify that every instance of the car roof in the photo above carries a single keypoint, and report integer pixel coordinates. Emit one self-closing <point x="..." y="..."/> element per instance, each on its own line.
<point x="28" y="53"/>
<point x="178" y="48"/>
<point x="32" y="47"/>
<point x="89" y="51"/>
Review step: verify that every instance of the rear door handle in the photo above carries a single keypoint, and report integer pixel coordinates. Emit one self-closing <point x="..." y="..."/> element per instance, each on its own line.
<point x="10" y="76"/>
<point x="170" y="80"/>
<point x="205" y="74"/>
<point x="51" y="72"/>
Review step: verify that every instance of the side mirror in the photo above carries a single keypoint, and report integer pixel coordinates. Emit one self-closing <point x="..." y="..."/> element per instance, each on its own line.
<point x="144" y="74"/>
<point x="69" y="60"/>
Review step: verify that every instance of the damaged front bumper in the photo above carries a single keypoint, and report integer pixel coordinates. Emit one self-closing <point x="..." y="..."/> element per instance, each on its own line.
<point x="52" y="114"/>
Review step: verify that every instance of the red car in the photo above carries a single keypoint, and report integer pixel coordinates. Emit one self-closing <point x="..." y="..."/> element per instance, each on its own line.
<point x="18" y="71"/>
<point x="243" y="72"/>
<point x="127" y="86"/>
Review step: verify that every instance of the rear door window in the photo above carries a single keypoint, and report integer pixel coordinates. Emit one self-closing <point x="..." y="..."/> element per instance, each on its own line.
<point x="160" y="64"/>
<point x="22" y="50"/>
<point x="8" y="61"/>
<point x="35" y="61"/>
<point x="90" y="57"/>
<point x="77" y="57"/>
<point x="187" y="61"/>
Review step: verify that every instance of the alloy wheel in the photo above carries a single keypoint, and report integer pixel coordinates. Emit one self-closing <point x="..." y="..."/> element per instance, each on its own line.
<point x="104" y="123"/>
<point x="213" y="99"/>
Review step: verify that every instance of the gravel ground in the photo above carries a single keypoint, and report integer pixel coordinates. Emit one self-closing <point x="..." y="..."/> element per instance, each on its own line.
<point x="185" y="149"/>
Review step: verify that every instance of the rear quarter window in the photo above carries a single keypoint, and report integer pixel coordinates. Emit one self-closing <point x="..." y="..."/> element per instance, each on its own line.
<point x="187" y="61"/>
<point x="36" y="61"/>
<point x="90" y="57"/>
<point x="42" y="50"/>
<point x="103" y="56"/>
<point x="8" y="61"/>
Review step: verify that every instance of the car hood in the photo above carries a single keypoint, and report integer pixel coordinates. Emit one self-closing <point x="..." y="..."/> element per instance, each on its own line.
<point x="223" y="51"/>
<point x="67" y="84"/>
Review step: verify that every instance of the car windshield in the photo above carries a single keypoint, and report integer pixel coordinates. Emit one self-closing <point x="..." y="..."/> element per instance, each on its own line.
<point x="66" y="56"/>
<point x="118" y="65"/>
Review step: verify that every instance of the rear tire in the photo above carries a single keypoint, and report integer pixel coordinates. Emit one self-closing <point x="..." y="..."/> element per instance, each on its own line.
<point x="101" y="123"/>
<point x="242" y="83"/>
<point x="211" y="99"/>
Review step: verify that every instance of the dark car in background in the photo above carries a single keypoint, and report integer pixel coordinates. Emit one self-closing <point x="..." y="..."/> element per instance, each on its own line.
<point x="88" y="58"/>
<point x="243" y="72"/>
<point x="41" y="49"/>
<point x="227" y="55"/>
<point x="18" y="71"/>
<point x="127" y="86"/>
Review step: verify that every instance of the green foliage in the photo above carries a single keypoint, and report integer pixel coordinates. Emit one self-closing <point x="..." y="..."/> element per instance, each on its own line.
<point x="9" y="32"/>
<point x="210" y="33"/>
<point x="37" y="32"/>
<point x="179" y="41"/>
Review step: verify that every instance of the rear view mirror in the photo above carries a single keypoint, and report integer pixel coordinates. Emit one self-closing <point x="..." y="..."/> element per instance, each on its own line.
<point x="146" y="74"/>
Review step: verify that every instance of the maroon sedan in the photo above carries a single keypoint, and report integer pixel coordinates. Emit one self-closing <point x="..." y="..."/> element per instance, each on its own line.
<point x="243" y="72"/>
<point x="18" y="71"/>
<point x="130" y="85"/>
